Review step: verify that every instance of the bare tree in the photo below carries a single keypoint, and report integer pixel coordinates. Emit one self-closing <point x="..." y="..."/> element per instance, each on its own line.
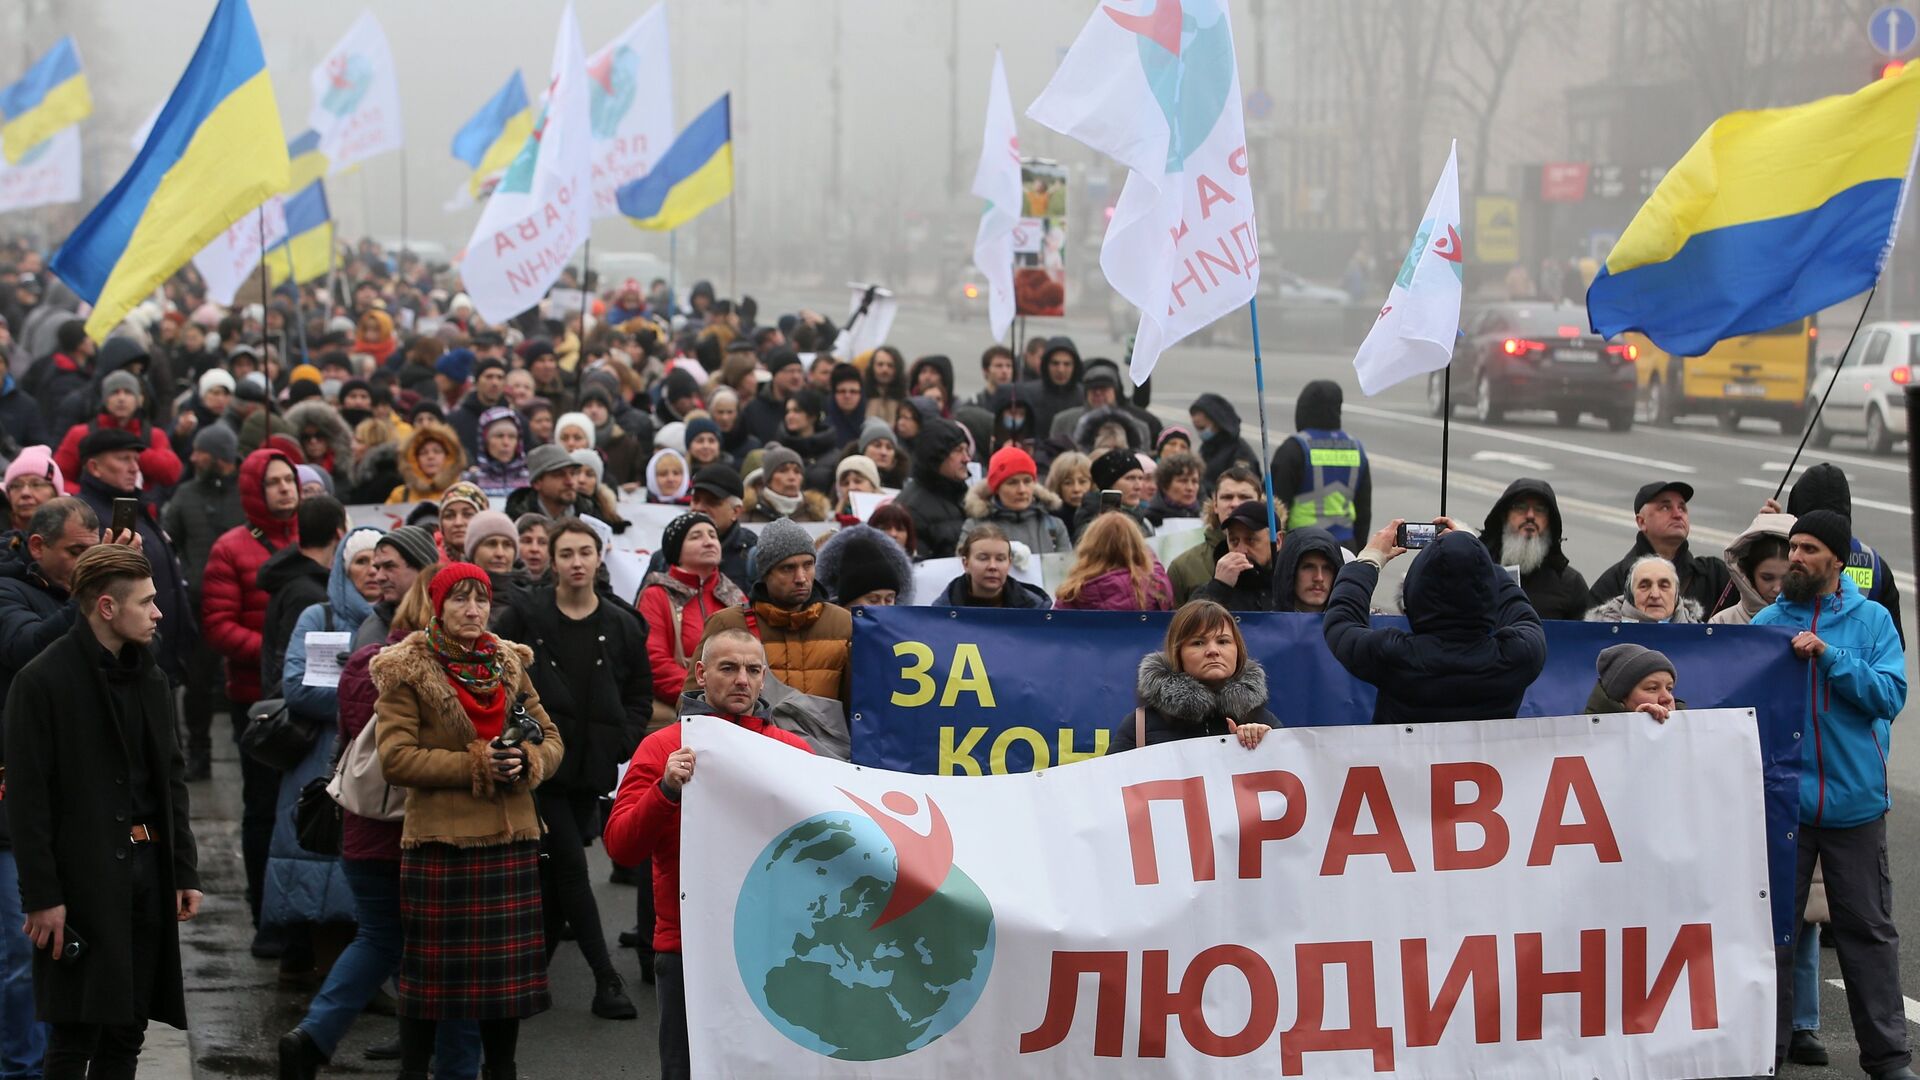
<point x="1492" y="37"/>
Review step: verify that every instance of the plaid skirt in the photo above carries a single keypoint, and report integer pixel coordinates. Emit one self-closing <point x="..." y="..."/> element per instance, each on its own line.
<point x="475" y="942"/>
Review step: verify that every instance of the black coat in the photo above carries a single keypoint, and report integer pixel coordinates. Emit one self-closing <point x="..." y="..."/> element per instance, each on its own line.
<point x="1703" y="579"/>
<point x="33" y="615"/>
<point x="293" y="583"/>
<point x="21" y="417"/>
<point x="934" y="500"/>
<point x="198" y="513"/>
<point x="1014" y="594"/>
<point x="68" y="798"/>
<point x="1256" y="589"/>
<point x="1555" y="589"/>
<point x="1179" y="706"/>
<point x="1475" y="644"/>
<point x="1225" y="448"/>
<point x="602" y="723"/>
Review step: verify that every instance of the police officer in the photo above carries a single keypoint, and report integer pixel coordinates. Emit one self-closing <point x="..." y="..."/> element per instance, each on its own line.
<point x="1321" y="473"/>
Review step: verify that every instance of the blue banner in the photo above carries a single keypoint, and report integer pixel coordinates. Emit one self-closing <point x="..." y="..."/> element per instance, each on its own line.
<point x="956" y="690"/>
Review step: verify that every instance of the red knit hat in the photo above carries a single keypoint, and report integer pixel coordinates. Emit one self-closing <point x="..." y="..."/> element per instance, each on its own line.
<point x="453" y="574"/>
<point x="1007" y="463"/>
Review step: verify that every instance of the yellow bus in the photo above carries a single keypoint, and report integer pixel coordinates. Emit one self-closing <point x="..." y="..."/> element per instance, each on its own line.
<point x="1765" y="374"/>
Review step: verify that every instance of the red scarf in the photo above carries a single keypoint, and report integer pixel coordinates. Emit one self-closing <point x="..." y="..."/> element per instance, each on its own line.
<point x="489" y="717"/>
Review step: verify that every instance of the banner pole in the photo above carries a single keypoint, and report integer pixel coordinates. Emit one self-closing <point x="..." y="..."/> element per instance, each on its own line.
<point x="403" y="209"/>
<point x="586" y="267"/>
<point x="1260" y="398"/>
<point x="1807" y="431"/>
<point x="673" y="272"/>
<point x="733" y="249"/>
<point x="266" y="294"/>
<point x="1446" y="429"/>
<point x="299" y="298"/>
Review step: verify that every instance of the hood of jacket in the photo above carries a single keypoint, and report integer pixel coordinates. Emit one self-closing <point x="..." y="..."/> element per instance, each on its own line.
<point x="410" y="471"/>
<point x="1090" y="421"/>
<point x="1300" y="543"/>
<point x="349" y="607"/>
<point x="937" y="440"/>
<point x="1451" y="587"/>
<point x="253" y="496"/>
<point x="118" y="352"/>
<point x="288" y="565"/>
<point x="937" y="362"/>
<point x="1181" y="696"/>
<point x="1493" y="532"/>
<point x="324" y="418"/>
<point x="1822" y="487"/>
<point x="376" y="460"/>
<point x="1054" y="345"/>
<point x="1318" y="406"/>
<point x="832" y="555"/>
<point x="1620" y="609"/>
<point x="980" y="503"/>
<point x="1763" y="525"/>
<point x="1222" y="413"/>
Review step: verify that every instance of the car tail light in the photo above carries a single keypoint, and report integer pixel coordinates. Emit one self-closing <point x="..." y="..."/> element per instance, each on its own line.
<point x="1629" y="350"/>
<point x="972" y="291"/>
<point x="1902" y="375"/>
<point x="1521" y="346"/>
<point x="1569" y="331"/>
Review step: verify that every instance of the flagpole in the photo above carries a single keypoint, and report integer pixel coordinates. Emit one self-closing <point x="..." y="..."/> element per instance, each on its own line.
<point x="1806" y="432"/>
<point x="1260" y="398"/>
<point x="1446" y="429"/>
<point x="733" y="248"/>
<point x="673" y="272"/>
<point x="586" y="267"/>
<point x="299" y="297"/>
<point x="403" y="209"/>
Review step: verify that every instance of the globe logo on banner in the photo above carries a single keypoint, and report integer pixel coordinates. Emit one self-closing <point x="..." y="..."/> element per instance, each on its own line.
<point x="858" y="938"/>
<point x="1447" y="247"/>
<point x="1186" y="54"/>
<point x="613" y="83"/>
<point x="348" y="79"/>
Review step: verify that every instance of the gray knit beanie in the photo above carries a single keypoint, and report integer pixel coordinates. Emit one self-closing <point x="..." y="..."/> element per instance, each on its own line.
<point x="1621" y="667"/>
<point x="779" y="541"/>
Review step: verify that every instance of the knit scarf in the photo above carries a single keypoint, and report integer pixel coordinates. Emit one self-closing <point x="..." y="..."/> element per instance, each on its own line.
<point x="476" y="670"/>
<point x="784" y="505"/>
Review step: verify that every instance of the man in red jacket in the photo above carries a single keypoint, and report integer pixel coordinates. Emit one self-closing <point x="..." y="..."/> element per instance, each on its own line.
<point x="233" y="609"/>
<point x="645" y="823"/>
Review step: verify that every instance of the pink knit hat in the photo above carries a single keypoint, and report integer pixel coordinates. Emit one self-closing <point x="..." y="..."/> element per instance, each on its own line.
<point x="37" y="461"/>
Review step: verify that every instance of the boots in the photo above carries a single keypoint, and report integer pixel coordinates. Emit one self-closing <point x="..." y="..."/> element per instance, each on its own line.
<point x="300" y="1059"/>
<point x="610" y="1000"/>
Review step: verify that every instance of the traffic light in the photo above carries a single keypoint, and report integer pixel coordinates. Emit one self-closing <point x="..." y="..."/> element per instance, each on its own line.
<point x="1891" y="68"/>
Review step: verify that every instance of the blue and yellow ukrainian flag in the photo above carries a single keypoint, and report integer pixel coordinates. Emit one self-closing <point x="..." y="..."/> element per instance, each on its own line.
<point x="694" y="173"/>
<point x="216" y="153"/>
<point x="307" y="252"/>
<point x="489" y="141"/>
<point x="50" y="97"/>
<point x="1773" y="215"/>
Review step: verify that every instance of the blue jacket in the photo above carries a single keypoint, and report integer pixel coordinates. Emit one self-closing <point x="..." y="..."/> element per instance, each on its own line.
<point x="302" y="886"/>
<point x="1476" y="643"/>
<point x="1859" y="685"/>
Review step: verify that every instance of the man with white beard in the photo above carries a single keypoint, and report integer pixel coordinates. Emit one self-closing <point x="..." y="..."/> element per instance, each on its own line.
<point x="1524" y="530"/>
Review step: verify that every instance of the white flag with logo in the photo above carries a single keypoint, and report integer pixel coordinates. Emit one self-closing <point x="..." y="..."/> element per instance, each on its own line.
<point x="631" y="100"/>
<point x="233" y="256"/>
<point x="540" y="212"/>
<point x="997" y="180"/>
<point x="1153" y="85"/>
<point x="356" y="97"/>
<point x="1421" y="318"/>
<point x="49" y="174"/>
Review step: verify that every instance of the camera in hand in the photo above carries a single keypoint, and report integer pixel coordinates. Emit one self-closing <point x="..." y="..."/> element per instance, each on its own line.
<point x="1416" y="534"/>
<point x="520" y="726"/>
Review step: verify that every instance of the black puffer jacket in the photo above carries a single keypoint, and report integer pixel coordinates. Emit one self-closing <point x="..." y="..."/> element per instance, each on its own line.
<point x="1048" y="399"/>
<point x="1179" y="706"/>
<point x="1224" y="448"/>
<point x="1256" y="589"/>
<point x="34" y="614"/>
<point x="935" y="501"/>
<point x="1475" y="644"/>
<point x="1014" y="594"/>
<point x="1555" y="589"/>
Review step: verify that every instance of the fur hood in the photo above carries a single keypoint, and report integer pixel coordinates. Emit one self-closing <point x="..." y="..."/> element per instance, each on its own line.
<point x="324" y="418"/>
<point x="979" y="502"/>
<point x="1183" y="697"/>
<point x="410" y="465"/>
<point x="376" y="460"/>
<point x="1090" y="421"/>
<point x="1620" y="609"/>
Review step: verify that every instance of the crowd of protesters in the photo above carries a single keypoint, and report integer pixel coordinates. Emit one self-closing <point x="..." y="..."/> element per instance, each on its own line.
<point x="487" y="681"/>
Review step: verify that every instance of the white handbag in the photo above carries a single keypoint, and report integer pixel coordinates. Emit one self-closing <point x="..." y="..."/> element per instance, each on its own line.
<point x="358" y="784"/>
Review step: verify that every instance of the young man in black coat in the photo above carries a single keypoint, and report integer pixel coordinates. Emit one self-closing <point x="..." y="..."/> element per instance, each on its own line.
<point x="937" y="487"/>
<point x="97" y="797"/>
<point x="590" y="670"/>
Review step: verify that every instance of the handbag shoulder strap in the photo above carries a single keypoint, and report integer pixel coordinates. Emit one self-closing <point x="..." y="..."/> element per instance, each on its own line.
<point x="1140" y="726"/>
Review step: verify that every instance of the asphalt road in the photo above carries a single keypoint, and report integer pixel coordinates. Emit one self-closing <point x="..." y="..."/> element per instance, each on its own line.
<point x="239" y="1010"/>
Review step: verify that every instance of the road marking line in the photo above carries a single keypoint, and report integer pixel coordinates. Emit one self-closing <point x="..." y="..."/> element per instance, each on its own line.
<point x="1913" y="1007"/>
<point x="1525" y="440"/>
<point x="1891" y="508"/>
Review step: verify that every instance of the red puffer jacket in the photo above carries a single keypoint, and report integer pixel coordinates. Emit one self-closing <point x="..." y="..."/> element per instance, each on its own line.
<point x="159" y="465"/>
<point x="233" y="607"/>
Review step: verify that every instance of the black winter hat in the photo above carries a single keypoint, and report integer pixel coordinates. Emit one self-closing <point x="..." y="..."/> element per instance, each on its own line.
<point x="106" y="440"/>
<point x="720" y="481"/>
<point x="1827" y="527"/>
<point x="780" y="358"/>
<point x="864" y="567"/>
<point x="1109" y="467"/>
<point x="674" y="536"/>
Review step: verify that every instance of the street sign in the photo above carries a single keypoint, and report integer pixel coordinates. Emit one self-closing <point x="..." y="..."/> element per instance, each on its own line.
<point x="1496" y="229"/>
<point x="1563" y="181"/>
<point x="1892" y="30"/>
<point x="1606" y="182"/>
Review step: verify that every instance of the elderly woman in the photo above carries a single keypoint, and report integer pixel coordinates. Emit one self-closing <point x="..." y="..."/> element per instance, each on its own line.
<point x="1200" y="684"/>
<point x="449" y="712"/>
<point x="1652" y="596"/>
<point x="1633" y="678"/>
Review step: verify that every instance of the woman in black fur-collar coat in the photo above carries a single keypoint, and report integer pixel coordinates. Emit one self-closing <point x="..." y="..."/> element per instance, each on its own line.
<point x="1201" y="684"/>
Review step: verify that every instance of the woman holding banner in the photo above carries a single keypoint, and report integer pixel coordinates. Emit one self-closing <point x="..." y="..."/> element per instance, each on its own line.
<point x="1201" y="684"/>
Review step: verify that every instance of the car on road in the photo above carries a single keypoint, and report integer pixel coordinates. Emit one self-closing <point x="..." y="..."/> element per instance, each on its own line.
<point x="1517" y="355"/>
<point x="1767" y="374"/>
<point x="1870" y="396"/>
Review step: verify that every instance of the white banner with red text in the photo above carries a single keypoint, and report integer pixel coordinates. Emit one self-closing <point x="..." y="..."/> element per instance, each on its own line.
<point x="1558" y="897"/>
